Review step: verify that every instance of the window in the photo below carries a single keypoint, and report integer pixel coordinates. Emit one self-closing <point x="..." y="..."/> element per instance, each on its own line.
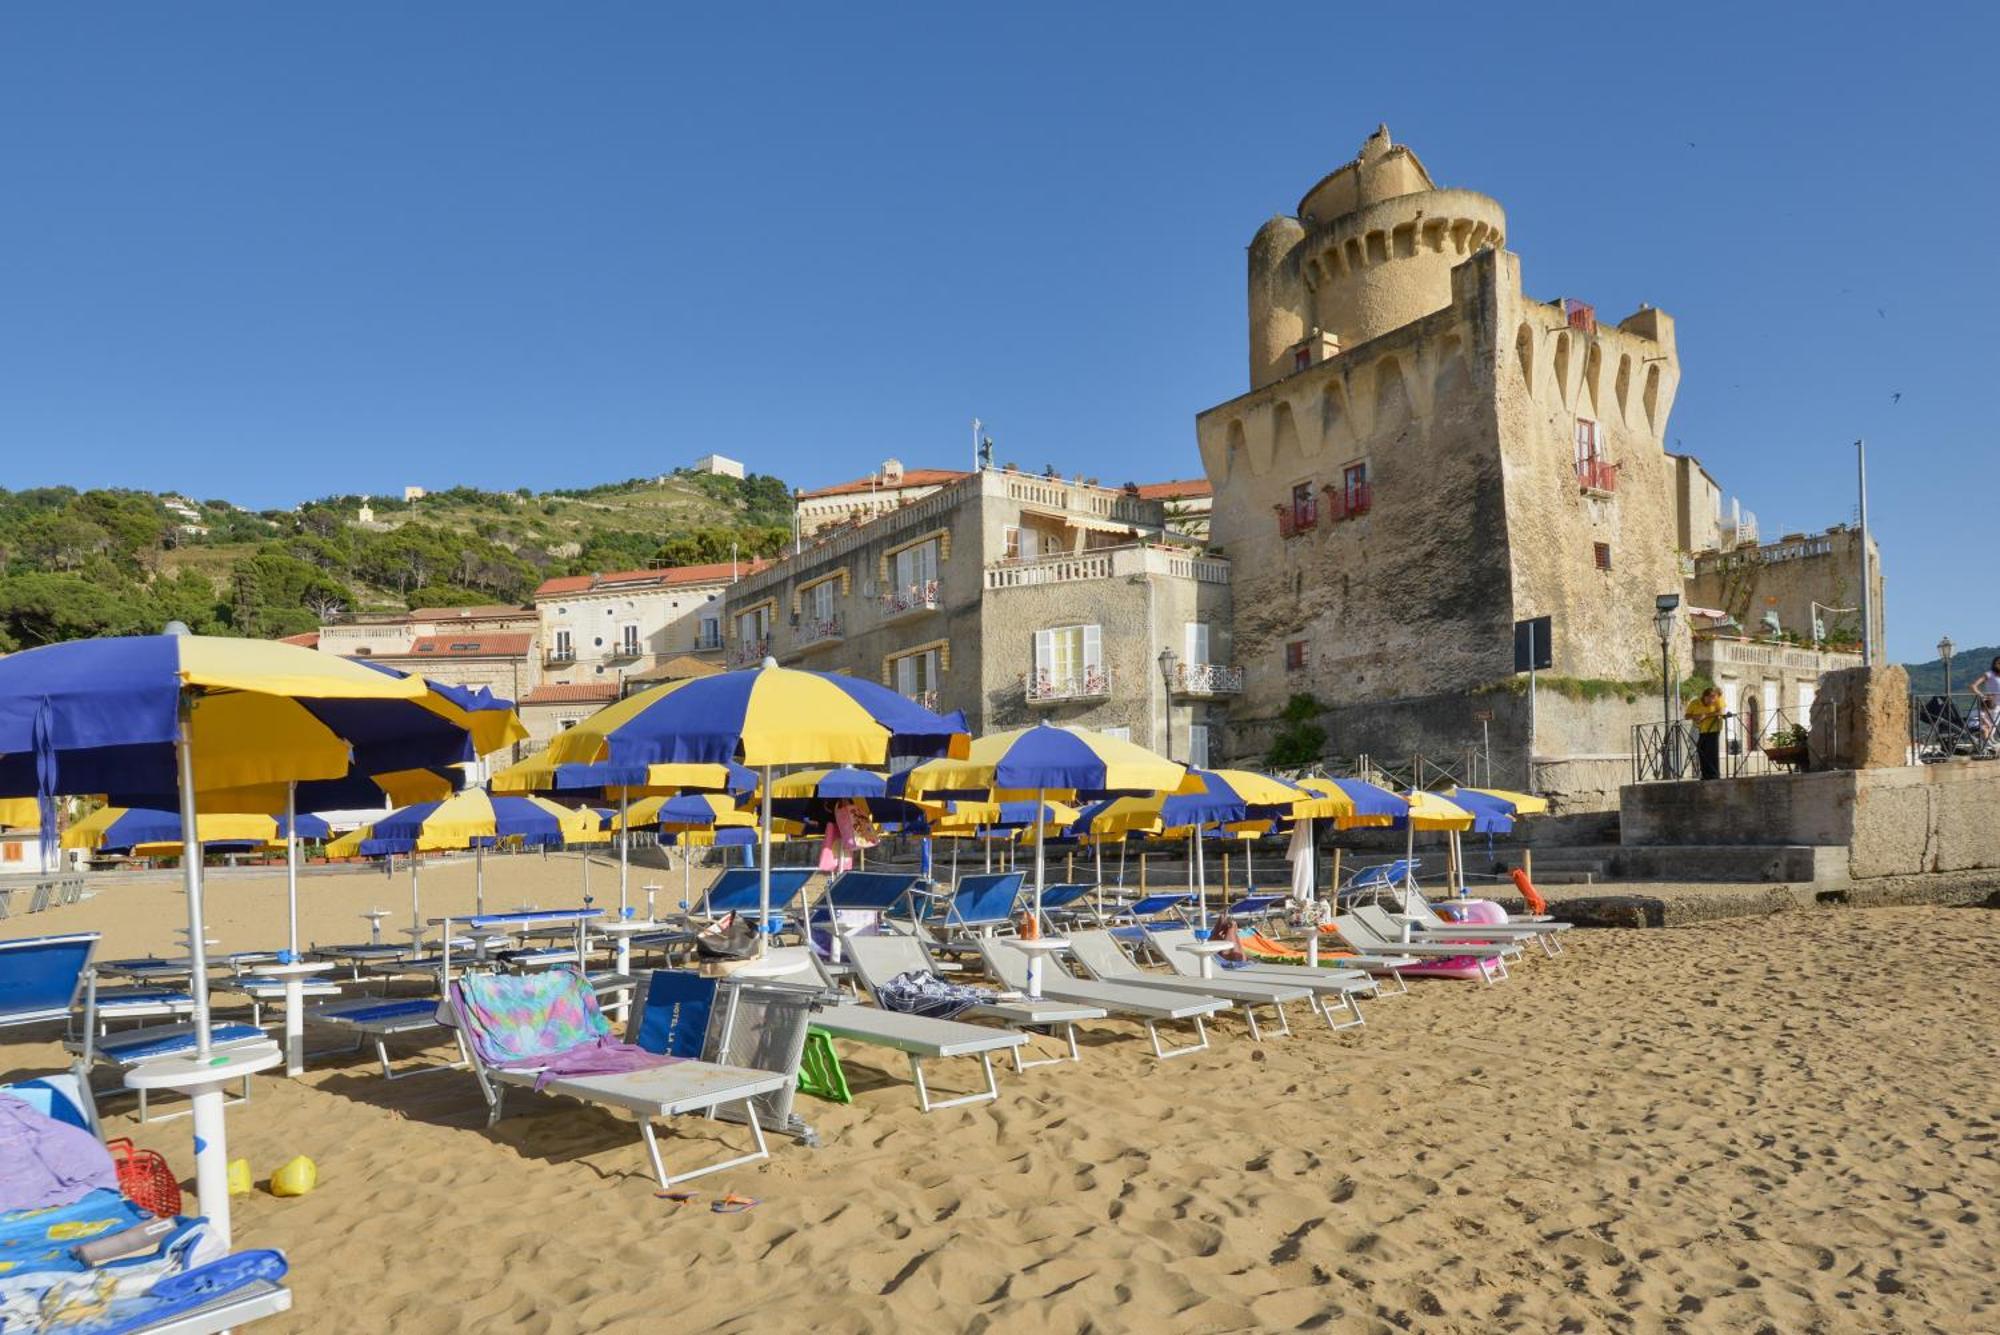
<point x="1195" y="652"/>
<point x="1197" y="747"/>
<point x="1600" y="552"/>
<point x="1023" y="543"/>
<point x="1352" y="495"/>
<point x="1302" y="357"/>
<point x="916" y="567"/>
<point x="628" y="638"/>
<point x="1295" y="656"/>
<point x="1587" y="445"/>
<point x="819" y="601"/>
<point x="1069" y="662"/>
<point x="1301" y="515"/>
<point x="917" y="674"/>
<point x="565" y="646"/>
<point x="709" y="633"/>
<point x="754" y="625"/>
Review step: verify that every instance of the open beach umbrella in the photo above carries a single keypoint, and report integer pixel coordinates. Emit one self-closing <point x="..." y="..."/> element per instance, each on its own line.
<point x="122" y="829"/>
<point x="762" y="718"/>
<point x="1516" y="804"/>
<point x="474" y="819"/>
<point x="179" y="713"/>
<point x="1041" y="762"/>
<point x="1370" y="804"/>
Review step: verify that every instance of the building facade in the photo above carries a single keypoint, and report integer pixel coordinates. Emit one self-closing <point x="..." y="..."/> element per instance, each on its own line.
<point x="1427" y="456"/>
<point x="492" y="646"/>
<point x="1014" y="598"/>
<point x="889" y="487"/>
<point x="599" y="629"/>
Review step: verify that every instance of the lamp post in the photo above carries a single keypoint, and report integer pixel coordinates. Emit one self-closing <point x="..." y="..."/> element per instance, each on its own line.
<point x="1664" y="608"/>
<point x="1167" y="660"/>
<point x="1945" y="647"/>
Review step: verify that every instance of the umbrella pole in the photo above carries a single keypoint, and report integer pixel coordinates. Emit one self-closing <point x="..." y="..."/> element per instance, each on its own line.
<point x="191" y="879"/>
<point x="624" y="853"/>
<point x="291" y="867"/>
<point x="1201" y="876"/>
<point x="479" y="879"/>
<point x="1097" y="847"/>
<point x="1041" y="868"/>
<point x="764" y="866"/>
<point x="211" y="1152"/>
<point x="416" y="909"/>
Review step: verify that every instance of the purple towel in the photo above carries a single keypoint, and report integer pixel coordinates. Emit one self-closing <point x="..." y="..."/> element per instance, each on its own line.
<point x="603" y="1056"/>
<point x="44" y="1162"/>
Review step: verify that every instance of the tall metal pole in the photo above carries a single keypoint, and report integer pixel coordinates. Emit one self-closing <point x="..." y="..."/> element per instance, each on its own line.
<point x="624" y="845"/>
<point x="1534" y="706"/>
<point x="1669" y="753"/>
<point x="1867" y="583"/>
<point x="291" y="866"/>
<point x="764" y="869"/>
<point x="191" y="879"/>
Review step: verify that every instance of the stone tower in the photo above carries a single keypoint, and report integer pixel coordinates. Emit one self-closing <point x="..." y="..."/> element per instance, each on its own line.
<point x="1426" y="456"/>
<point x="1370" y="250"/>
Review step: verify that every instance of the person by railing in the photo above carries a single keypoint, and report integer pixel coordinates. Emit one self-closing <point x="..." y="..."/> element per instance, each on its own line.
<point x="1706" y="712"/>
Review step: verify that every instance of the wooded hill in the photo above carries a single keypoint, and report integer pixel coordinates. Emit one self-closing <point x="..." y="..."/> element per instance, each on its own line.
<point x="114" y="562"/>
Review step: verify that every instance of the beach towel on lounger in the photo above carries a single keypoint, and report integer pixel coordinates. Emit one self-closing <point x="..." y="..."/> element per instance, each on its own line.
<point x="921" y="992"/>
<point x="548" y="1022"/>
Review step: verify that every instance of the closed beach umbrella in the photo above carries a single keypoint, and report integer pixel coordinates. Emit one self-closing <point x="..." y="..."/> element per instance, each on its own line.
<point x="762" y="718"/>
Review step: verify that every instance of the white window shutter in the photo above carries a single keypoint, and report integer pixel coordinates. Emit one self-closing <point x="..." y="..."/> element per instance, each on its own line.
<point x="1093" y="647"/>
<point x="1196" y="650"/>
<point x="1044" y="650"/>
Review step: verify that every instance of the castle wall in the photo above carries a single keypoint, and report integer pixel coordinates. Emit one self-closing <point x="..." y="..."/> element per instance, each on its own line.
<point x="1787" y="577"/>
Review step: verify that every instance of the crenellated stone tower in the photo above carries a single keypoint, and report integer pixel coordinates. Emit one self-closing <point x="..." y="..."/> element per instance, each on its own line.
<point x="1425" y="456"/>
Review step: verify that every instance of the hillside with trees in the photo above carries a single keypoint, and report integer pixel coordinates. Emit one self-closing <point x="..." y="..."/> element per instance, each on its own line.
<point x="113" y="562"/>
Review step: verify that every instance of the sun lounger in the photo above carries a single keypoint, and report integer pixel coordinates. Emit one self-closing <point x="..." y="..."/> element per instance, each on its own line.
<point x="1149" y="1006"/>
<point x="923" y="1039"/>
<point x="652" y="1094"/>
<point x="981" y="903"/>
<point x="376" y="1020"/>
<point x="1545" y="932"/>
<point x="1343" y="986"/>
<point x="877" y="959"/>
<point x="1491" y="960"/>
<point x="1106" y="961"/>
<point x="1403" y="930"/>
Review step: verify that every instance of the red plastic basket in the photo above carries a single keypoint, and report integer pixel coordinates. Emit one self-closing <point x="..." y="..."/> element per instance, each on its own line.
<point x="145" y="1179"/>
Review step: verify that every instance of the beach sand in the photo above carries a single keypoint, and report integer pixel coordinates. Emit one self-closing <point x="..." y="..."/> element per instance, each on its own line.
<point x="1786" y="1124"/>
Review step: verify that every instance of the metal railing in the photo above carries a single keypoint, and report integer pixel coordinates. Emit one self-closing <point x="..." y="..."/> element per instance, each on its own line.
<point x="707" y="642"/>
<point x="559" y="656"/>
<point x="1769" y="744"/>
<point x="818" y="631"/>
<point x="1348" y="502"/>
<point x="928" y="699"/>
<point x="1599" y="475"/>
<point x="919" y="597"/>
<point x="1043" y="688"/>
<point x="749" y="652"/>
<point x="1207" y="679"/>
<point x="1296" y="517"/>
<point x="1952" y="727"/>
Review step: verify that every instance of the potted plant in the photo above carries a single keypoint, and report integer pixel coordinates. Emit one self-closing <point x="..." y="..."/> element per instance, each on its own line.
<point x="1787" y="746"/>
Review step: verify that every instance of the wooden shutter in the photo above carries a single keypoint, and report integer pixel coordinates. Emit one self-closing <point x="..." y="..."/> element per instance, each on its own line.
<point x="1093" y="647"/>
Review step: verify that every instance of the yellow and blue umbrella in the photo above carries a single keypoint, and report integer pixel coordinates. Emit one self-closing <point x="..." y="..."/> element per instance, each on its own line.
<point x="1368" y="804"/>
<point x="477" y="820"/>
<point x="1045" y="761"/>
<point x="762" y="719"/>
<point x="153" y="832"/>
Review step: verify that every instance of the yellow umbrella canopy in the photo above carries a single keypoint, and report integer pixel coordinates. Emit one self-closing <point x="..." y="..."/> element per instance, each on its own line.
<point x="1524" y="804"/>
<point x="20" y="813"/>
<point x="543" y="773"/>
<point x="689" y="811"/>
<point x="1048" y="761"/>
<point x="1431" y="811"/>
<point x="349" y="845"/>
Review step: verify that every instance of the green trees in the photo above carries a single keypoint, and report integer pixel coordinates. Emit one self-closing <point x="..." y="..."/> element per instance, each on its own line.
<point x="1301" y="741"/>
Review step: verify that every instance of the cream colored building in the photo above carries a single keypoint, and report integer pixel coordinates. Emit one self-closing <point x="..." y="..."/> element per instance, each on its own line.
<point x="1426" y="456"/>
<point x="889" y="487"/>
<point x="598" y="629"/>
<point x="1012" y="597"/>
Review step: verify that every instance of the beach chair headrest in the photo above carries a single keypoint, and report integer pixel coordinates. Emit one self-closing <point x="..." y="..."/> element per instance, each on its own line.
<point x="40" y="974"/>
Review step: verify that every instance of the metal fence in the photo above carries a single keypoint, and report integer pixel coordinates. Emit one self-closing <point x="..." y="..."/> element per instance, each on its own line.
<point x="1774" y="743"/>
<point x="1951" y="727"/>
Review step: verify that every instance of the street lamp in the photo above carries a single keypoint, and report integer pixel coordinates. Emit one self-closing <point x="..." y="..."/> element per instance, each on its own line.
<point x="1167" y="660"/>
<point x="1665" y="606"/>
<point x="1945" y="647"/>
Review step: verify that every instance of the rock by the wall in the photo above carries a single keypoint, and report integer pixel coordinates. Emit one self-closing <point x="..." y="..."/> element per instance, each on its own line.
<point x="1861" y="718"/>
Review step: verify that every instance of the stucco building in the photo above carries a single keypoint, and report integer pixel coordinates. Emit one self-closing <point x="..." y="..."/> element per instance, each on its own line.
<point x="601" y="628"/>
<point x="889" y="487"/>
<point x="1012" y="597"/>
<point x="492" y="646"/>
<point x="1426" y="456"/>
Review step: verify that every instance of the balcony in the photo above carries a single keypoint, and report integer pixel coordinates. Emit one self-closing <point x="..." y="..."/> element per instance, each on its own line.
<point x="812" y="633"/>
<point x="911" y="600"/>
<point x="1107" y="563"/>
<point x="1207" y="679"/>
<point x="749" y="653"/>
<point x="560" y="656"/>
<point x="1348" y="503"/>
<point x="1043" y="688"/>
<point x="1597" y="476"/>
<point x="1301" y="516"/>
<point x="624" y="651"/>
<point x="707" y="642"/>
<point x="928" y="699"/>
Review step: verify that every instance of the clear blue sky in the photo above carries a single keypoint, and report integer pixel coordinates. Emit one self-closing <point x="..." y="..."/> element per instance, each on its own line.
<point x="275" y="251"/>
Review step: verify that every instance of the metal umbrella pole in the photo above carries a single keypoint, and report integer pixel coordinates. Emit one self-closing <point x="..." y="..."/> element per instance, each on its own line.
<point x="191" y="880"/>
<point x="624" y="853"/>
<point x="291" y="867"/>
<point x="764" y="868"/>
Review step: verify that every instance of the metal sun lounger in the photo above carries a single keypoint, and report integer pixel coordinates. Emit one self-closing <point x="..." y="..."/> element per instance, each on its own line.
<point x="1346" y="986"/>
<point x="1105" y="960"/>
<point x="1492" y="960"/>
<point x="1405" y="931"/>
<point x="1149" y="1006"/>
<point x="877" y="959"/>
<point x="1546" y="933"/>
<point x="377" y="1020"/>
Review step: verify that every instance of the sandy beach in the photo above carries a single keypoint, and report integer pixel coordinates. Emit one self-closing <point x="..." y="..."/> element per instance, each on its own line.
<point x="1786" y="1124"/>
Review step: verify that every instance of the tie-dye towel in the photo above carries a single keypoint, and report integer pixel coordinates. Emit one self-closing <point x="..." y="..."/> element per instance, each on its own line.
<point x="547" y="1021"/>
